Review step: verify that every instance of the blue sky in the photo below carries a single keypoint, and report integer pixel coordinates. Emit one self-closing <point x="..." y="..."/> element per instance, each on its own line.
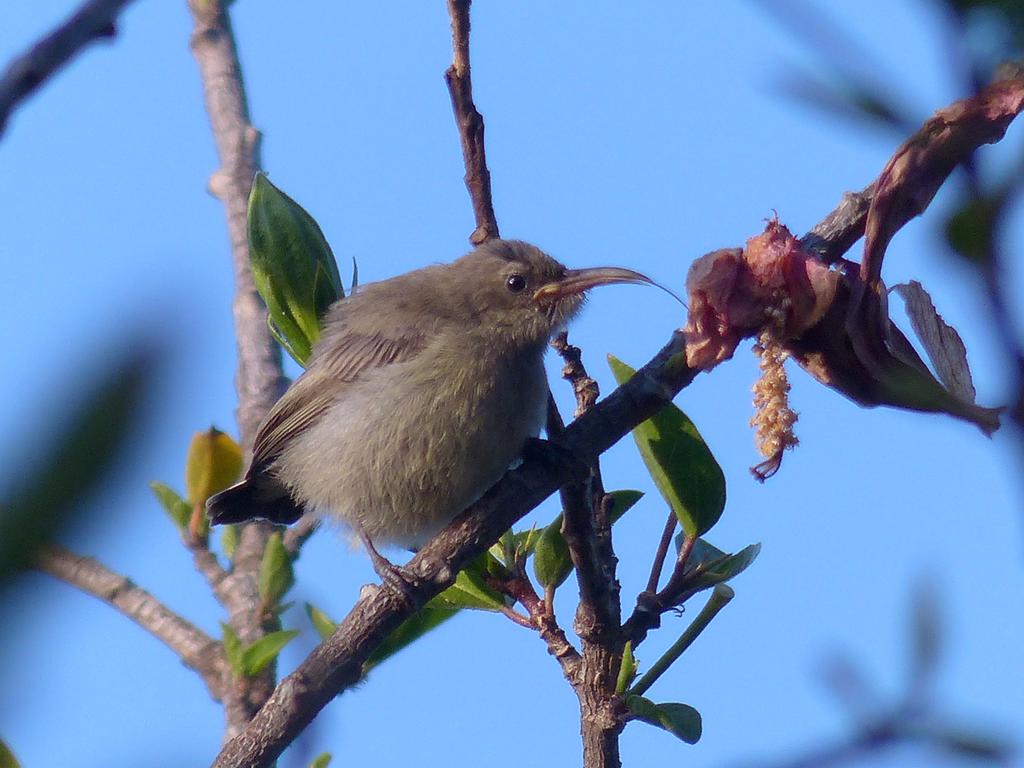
<point x="638" y="134"/>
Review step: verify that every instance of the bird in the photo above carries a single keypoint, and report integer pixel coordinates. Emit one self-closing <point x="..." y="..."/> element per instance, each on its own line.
<point x="421" y="391"/>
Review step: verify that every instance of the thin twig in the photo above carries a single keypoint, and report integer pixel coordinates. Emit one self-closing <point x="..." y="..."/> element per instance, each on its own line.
<point x="542" y="618"/>
<point x="583" y="387"/>
<point x="196" y="649"/>
<point x="470" y="124"/>
<point x="299" y="533"/>
<point x="93" y="20"/>
<point x="259" y="380"/>
<point x="659" y="556"/>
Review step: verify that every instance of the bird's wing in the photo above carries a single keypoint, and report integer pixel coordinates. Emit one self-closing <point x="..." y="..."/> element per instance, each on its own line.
<point x="342" y="359"/>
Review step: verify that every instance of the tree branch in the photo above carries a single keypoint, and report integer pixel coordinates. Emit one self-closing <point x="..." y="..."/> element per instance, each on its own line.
<point x="337" y="663"/>
<point x="93" y="20"/>
<point x="471" y="125"/>
<point x="259" y="380"/>
<point x="195" y="648"/>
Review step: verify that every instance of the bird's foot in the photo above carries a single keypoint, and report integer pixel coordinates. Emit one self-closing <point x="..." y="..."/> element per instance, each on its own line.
<point x="398" y="578"/>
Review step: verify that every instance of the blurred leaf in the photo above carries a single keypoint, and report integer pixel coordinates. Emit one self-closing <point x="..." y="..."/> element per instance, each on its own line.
<point x="321" y="761"/>
<point x="970" y="229"/>
<point x="977" y="746"/>
<point x="622" y="502"/>
<point x="232" y="649"/>
<point x="229" y="540"/>
<point x="627" y="669"/>
<point x="847" y="98"/>
<point x="258" y="655"/>
<point x="292" y="264"/>
<point x="214" y="462"/>
<point x="87" y="446"/>
<point x="322" y="623"/>
<point x="429" y="617"/>
<point x="681" y="720"/>
<point x="926" y="631"/>
<point x="276" y="574"/>
<point x="680" y="463"/>
<point x="176" y="507"/>
<point x="941" y="342"/>
<point x="7" y="758"/>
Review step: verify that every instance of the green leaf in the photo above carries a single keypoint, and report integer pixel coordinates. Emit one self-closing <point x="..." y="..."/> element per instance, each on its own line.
<point x="470" y="590"/>
<point x="7" y="758"/>
<point x="322" y="623"/>
<point x="88" y="442"/>
<point x="429" y="617"/>
<point x="292" y="342"/>
<point x="552" y="563"/>
<point x="292" y="264"/>
<point x="321" y="761"/>
<point x="681" y="720"/>
<point x="258" y="655"/>
<point x="627" y="669"/>
<point x="708" y="565"/>
<point x="276" y="574"/>
<point x="176" y="507"/>
<point x="232" y="649"/>
<point x="622" y="502"/>
<point x="229" y="540"/>
<point x="680" y="463"/>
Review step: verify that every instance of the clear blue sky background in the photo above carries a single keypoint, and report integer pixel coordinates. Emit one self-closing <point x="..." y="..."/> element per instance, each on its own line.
<point x="642" y="134"/>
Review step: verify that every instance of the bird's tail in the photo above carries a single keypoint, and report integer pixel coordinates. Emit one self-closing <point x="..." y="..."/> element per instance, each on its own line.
<point x="256" y="496"/>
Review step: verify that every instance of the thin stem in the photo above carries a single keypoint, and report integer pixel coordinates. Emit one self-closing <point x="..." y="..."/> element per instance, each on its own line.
<point x="194" y="647"/>
<point x="659" y="556"/>
<point x="470" y="124"/>
<point x="720" y="597"/>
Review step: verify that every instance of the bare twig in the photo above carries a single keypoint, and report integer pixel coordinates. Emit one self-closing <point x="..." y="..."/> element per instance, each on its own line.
<point x="471" y="125"/>
<point x="542" y="618"/>
<point x="337" y="663"/>
<point x="298" y="534"/>
<point x="662" y="551"/>
<point x="195" y="648"/>
<point x="93" y="20"/>
<point x="584" y="387"/>
<point x="259" y="380"/>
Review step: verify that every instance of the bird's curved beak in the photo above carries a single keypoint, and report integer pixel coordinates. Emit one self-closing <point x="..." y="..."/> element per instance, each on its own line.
<point x="576" y="281"/>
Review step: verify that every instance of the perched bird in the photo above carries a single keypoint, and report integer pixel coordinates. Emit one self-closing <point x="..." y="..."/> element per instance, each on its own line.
<point x="420" y="393"/>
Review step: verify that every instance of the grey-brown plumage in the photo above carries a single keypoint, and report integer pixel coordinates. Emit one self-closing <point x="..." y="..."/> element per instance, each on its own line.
<point x="421" y="392"/>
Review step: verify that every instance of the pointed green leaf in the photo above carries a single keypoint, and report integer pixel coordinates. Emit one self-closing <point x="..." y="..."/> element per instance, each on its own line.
<point x="292" y="264"/>
<point x="622" y="502"/>
<point x="321" y="761"/>
<point x="258" y="655"/>
<point x="708" y="565"/>
<point x="276" y="574"/>
<point x="322" y="623"/>
<point x="229" y="540"/>
<point x="176" y="507"/>
<point x="551" y="561"/>
<point x="297" y="346"/>
<point x="680" y="463"/>
<point x="627" y="669"/>
<point x="429" y="617"/>
<point x="681" y="720"/>
<point x="470" y="590"/>
<point x="232" y="649"/>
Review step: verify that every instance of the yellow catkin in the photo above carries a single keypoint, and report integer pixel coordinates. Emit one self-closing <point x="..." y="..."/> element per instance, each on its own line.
<point x="773" y="422"/>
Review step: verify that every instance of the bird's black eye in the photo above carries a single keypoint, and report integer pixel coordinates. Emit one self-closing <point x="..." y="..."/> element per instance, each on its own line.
<point x="516" y="283"/>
